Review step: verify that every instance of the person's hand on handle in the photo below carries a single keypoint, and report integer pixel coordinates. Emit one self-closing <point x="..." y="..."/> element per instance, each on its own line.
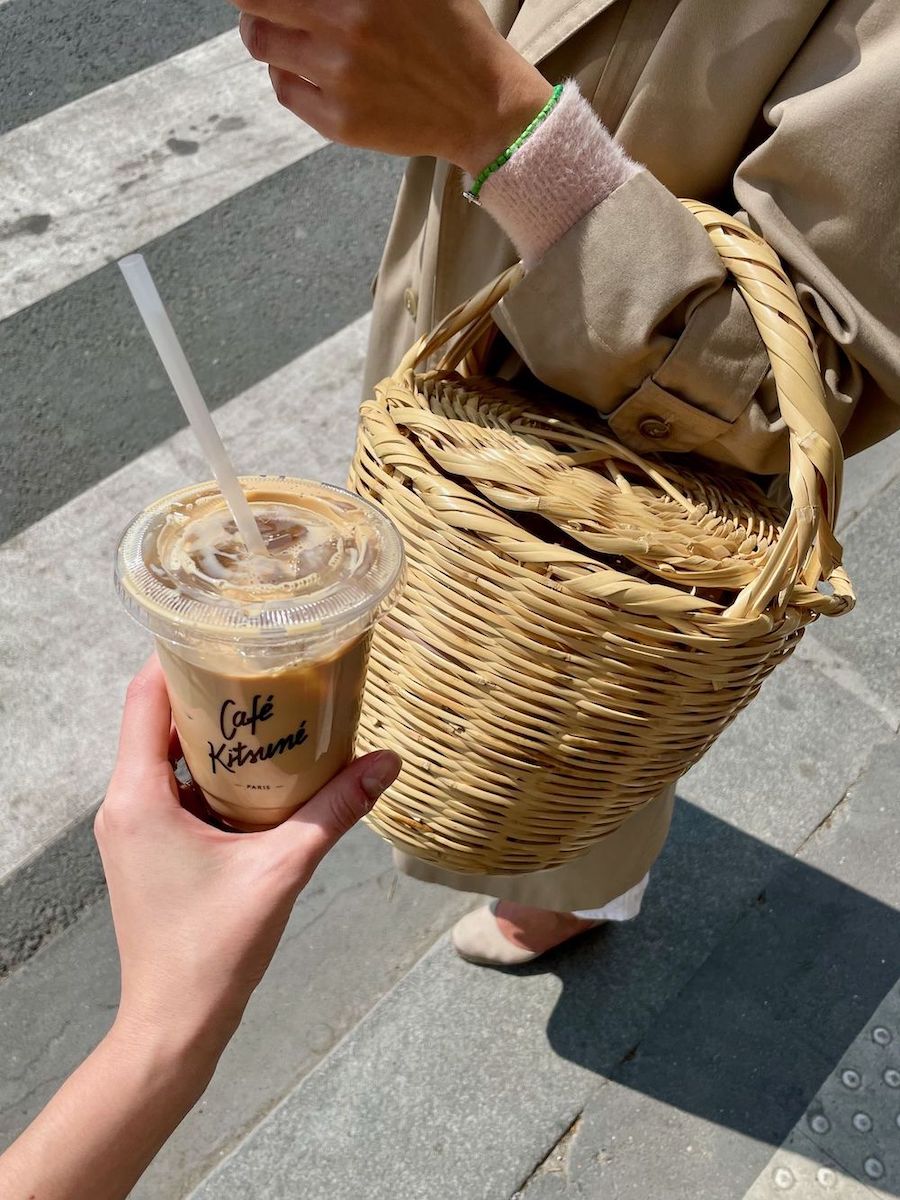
<point x="198" y="913"/>
<point x="408" y="77"/>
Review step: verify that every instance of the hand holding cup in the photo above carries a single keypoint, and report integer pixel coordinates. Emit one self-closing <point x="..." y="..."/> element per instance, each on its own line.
<point x="199" y="911"/>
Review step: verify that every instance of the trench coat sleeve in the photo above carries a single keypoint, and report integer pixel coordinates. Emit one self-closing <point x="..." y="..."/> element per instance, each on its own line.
<point x="631" y="310"/>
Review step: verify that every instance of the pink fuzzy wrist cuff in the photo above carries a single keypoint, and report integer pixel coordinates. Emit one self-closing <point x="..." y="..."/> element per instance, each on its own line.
<point x="568" y="166"/>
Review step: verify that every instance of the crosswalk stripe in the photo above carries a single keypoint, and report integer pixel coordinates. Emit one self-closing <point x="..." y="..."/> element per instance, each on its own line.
<point x="66" y="647"/>
<point x="124" y="165"/>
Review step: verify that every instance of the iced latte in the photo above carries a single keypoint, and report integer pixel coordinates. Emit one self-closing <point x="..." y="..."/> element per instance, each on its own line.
<point x="264" y="656"/>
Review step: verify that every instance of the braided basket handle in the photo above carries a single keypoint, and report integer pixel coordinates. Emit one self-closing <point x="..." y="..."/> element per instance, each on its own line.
<point x="807" y="552"/>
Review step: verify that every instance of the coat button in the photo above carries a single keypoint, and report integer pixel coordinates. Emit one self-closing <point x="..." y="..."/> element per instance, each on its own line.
<point x="655" y="428"/>
<point x="411" y="300"/>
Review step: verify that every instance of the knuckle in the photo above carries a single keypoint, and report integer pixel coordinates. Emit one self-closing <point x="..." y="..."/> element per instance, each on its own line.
<point x="357" y="23"/>
<point x="136" y="688"/>
<point x="114" y="821"/>
<point x="342" y="125"/>
<point x="347" y="806"/>
<point x="341" y="63"/>
<point x="100" y="825"/>
<point x="280" y="87"/>
<point x="253" y="35"/>
<point x="346" y="53"/>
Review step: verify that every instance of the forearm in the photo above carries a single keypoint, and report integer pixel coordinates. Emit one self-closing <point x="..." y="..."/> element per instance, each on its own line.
<point x="109" y="1119"/>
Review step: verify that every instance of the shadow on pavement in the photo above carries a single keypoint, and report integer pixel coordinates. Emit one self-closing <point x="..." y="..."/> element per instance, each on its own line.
<point x="764" y="994"/>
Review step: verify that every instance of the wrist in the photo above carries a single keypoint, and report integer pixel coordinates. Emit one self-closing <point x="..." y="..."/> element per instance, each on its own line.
<point x="502" y="111"/>
<point x="565" y="166"/>
<point x="185" y="1044"/>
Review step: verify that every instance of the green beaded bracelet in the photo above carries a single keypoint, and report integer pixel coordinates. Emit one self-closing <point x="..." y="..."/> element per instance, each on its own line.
<point x="502" y="159"/>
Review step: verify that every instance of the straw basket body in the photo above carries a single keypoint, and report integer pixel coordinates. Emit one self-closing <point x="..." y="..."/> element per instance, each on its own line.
<point x="580" y="623"/>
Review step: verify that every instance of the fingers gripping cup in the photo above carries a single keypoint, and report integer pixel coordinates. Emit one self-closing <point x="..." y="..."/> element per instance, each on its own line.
<point x="265" y="656"/>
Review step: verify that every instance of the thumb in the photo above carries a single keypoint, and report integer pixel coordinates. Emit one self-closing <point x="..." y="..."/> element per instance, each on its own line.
<point x="323" y="821"/>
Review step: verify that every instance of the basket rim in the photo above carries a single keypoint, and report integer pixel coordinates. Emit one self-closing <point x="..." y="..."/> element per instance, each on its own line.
<point x="586" y="580"/>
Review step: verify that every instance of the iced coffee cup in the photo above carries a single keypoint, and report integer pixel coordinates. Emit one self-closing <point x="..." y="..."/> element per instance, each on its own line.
<point x="264" y="655"/>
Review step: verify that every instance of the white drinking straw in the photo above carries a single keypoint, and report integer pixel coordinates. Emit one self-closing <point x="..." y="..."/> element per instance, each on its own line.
<point x="150" y="306"/>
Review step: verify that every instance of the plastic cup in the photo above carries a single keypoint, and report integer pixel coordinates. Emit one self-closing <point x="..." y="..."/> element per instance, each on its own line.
<point x="265" y="658"/>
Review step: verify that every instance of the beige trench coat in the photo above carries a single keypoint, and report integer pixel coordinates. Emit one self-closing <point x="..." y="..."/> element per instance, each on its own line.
<point x="786" y="112"/>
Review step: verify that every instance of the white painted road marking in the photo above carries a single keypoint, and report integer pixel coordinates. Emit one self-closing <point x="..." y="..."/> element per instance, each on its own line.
<point x="102" y="176"/>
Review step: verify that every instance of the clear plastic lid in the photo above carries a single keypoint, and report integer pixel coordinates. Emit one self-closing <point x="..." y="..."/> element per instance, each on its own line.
<point x="335" y="564"/>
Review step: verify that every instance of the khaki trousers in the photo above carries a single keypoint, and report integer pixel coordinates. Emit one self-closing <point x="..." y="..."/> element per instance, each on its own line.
<point x="612" y="867"/>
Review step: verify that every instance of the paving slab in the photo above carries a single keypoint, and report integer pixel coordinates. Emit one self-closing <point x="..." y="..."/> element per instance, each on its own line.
<point x="435" y="1095"/>
<point x="868" y="639"/>
<point x="802" y="1170"/>
<point x="855" y="1117"/>
<point x="866" y="476"/>
<point x="356" y="930"/>
<point x="460" y="1045"/>
<point x="49" y="892"/>
<point x="301" y="420"/>
<point x="848" y="1140"/>
<point x="741" y="1052"/>
<point x="790" y="756"/>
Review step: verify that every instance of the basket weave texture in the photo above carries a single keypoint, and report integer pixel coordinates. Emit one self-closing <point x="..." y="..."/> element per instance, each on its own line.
<point x="580" y="622"/>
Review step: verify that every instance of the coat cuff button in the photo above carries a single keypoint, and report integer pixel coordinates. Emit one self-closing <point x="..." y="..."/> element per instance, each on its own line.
<point x="655" y="428"/>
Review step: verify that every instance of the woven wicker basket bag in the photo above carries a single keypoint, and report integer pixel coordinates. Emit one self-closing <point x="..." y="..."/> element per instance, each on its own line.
<point x="580" y="623"/>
